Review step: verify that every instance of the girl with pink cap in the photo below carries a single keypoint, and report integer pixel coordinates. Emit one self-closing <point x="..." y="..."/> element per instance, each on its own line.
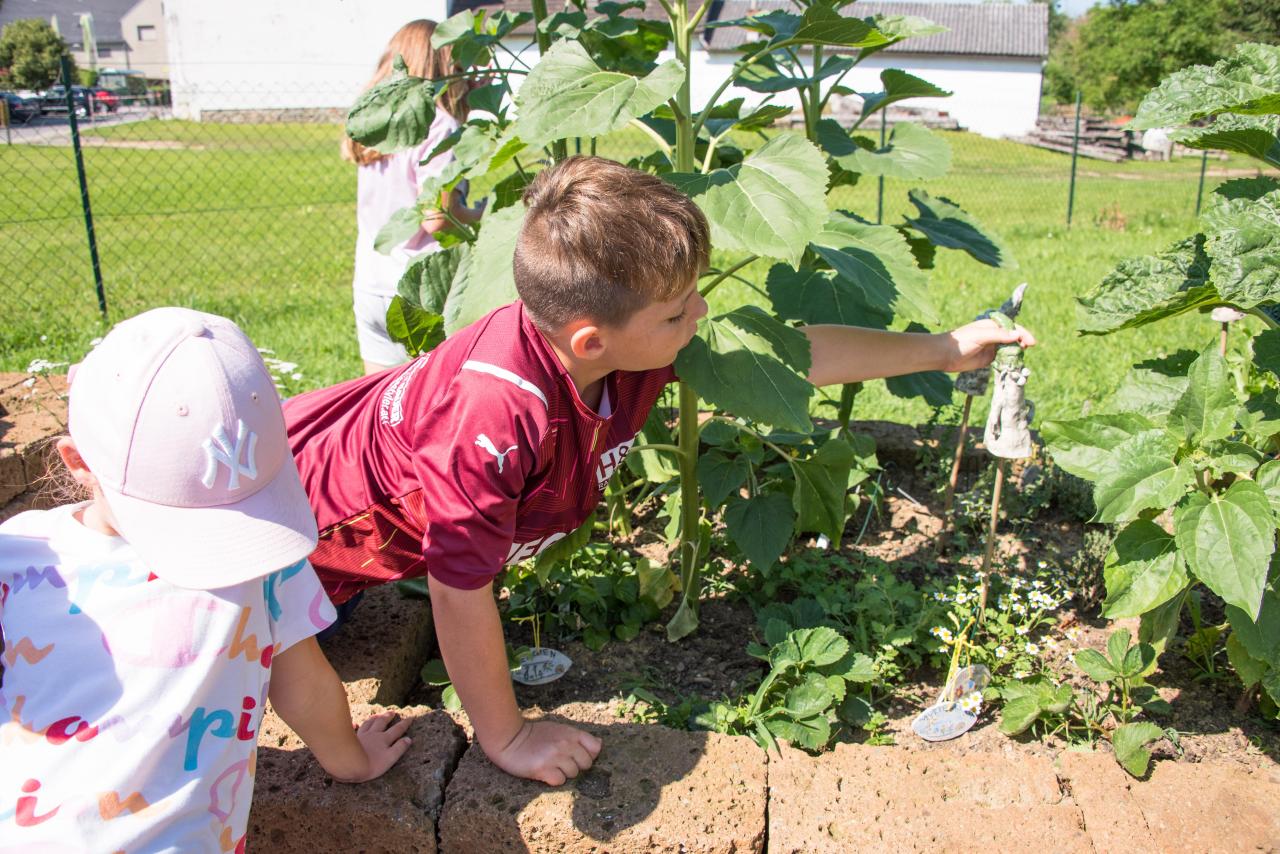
<point x="145" y="629"/>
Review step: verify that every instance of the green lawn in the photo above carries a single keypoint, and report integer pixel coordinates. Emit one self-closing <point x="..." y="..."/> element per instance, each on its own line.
<point x="257" y="222"/>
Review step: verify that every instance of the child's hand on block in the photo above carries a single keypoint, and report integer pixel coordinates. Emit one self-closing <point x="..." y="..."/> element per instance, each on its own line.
<point x="384" y="741"/>
<point x="548" y="752"/>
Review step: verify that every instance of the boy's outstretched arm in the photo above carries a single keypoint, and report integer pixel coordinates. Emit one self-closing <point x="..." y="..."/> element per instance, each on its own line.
<point x="849" y="354"/>
<point x="475" y="654"/>
<point x="306" y="693"/>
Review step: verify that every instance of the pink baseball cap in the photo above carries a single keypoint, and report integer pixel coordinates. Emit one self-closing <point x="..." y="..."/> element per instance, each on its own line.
<point x="179" y="420"/>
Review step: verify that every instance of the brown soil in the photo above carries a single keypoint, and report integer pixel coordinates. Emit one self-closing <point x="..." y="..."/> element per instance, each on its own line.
<point x="31" y="412"/>
<point x="713" y="663"/>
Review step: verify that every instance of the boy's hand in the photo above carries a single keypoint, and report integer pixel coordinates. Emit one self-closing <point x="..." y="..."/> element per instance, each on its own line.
<point x="384" y="741"/>
<point x="549" y="752"/>
<point x="973" y="345"/>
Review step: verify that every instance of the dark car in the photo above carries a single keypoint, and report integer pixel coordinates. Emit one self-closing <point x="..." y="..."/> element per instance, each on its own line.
<point x="54" y="100"/>
<point x="21" y="110"/>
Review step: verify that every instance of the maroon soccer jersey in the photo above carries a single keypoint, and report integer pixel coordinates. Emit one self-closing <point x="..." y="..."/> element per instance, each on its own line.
<point x="476" y="455"/>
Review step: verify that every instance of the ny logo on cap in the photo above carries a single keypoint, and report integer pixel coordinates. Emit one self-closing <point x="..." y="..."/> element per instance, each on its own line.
<point x="218" y="449"/>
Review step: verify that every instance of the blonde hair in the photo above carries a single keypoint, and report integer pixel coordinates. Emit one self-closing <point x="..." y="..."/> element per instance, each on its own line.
<point x="601" y="241"/>
<point x="413" y="42"/>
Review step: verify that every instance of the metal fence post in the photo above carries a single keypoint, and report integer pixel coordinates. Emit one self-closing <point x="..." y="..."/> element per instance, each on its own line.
<point x="5" y="119"/>
<point x="884" y="116"/>
<point x="1075" y="155"/>
<point x="1204" y="163"/>
<point x="84" y="185"/>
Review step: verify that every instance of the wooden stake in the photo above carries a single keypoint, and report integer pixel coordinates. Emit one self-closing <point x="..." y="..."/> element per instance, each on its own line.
<point x="991" y="538"/>
<point x="955" y="465"/>
<point x="1222" y="340"/>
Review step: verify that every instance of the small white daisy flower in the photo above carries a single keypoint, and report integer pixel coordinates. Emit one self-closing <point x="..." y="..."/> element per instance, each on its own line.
<point x="1032" y="649"/>
<point x="971" y="702"/>
<point x="1001" y="651"/>
<point x="1022" y="631"/>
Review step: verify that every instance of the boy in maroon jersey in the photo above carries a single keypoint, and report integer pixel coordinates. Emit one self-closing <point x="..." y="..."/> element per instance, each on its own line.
<point x="500" y="441"/>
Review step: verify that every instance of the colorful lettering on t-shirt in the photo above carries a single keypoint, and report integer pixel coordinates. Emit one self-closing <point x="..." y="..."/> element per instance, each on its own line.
<point x="25" y="814"/>
<point x="247" y="645"/>
<point x="609" y="462"/>
<point x="27" y="651"/>
<point x="270" y="583"/>
<point x="219" y="723"/>
<point x="33" y="577"/>
<point x="111" y="574"/>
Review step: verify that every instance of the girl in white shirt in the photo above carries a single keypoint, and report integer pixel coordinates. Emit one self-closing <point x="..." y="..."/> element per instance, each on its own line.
<point x="387" y="183"/>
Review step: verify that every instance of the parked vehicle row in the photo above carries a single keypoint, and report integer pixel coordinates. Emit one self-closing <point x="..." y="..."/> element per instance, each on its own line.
<point x="84" y="99"/>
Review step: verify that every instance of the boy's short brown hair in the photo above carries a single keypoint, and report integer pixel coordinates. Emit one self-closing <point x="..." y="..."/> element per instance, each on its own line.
<point x="601" y="241"/>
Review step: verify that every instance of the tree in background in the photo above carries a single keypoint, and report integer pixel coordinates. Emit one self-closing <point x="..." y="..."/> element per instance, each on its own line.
<point x="1254" y="20"/>
<point x="1116" y="53"/>
<point x="31" y="53"/>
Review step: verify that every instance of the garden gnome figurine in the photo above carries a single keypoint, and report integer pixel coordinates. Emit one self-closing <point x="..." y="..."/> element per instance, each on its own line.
<point x="974" y="383"/>
<point x="1008" y="432"/>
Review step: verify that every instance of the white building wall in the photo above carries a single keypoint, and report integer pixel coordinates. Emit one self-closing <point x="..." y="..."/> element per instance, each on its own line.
<point x="993" y="96"/>
<point x="279" y="54"/>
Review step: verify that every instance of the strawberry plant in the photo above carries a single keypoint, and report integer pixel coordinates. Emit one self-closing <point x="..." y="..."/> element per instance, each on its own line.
<point x="1183" y="462"/>
<point x="765" y="195"/>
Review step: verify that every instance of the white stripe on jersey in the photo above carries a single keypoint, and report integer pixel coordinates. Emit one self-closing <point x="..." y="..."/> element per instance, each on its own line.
<point x="504" y="374"/>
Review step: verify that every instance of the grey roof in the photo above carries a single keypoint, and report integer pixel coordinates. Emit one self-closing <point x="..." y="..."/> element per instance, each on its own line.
<point x="106" y="17"/>
<point x="975" y="29"/>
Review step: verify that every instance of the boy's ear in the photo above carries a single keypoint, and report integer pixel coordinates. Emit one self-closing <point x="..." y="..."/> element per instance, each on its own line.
<point x="75" y="463"/>
<point x="586" y="341"/>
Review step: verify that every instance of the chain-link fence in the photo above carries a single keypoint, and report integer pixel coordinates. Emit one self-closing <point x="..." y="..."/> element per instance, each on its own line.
<point x="249" y="212"/>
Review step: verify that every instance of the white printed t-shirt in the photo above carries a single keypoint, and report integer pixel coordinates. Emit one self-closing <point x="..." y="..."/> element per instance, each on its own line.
<point x="129" y="707"/>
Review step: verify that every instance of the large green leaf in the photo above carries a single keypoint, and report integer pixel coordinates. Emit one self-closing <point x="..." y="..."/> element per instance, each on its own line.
<point x="823" y="296"/>
<point x="1142" y="290"/>
<point x="720" y="475"/>
<point x="771" y="204"/>
<point x="1260" y="635"/>
<point x="1247" y="82"/>
<point x="1143" y="570"/>
<point x="947" y="225"/>
<point x="765" y="76"/>
<point x="1158" y="627"/>
<point x="912" y="152"/>
<point x="898" y="86"/>
<point x="1244" y="244"/>
<point x="823" y="24"/>
<point x="811" y="733"/>
<point x="1268" y="477"/>
<point x="1266" y="350"/>
<point x="395" y="114"/>
<point x="417" y="329"/>
<point x="937" y="388"/>
<point x="1130" y="744"/>
<point x="567" y="94"/>
<point x="811" y="697"/>
<point x="1207" y="409"/>
<point x="1148" y="392"/>
<point x="489" y="282"/>
<point x="818" y="646"/>
<point x="429" y="278"/>
<point x="761" y="526"/>
<point x="1142" y="476"/>
<point x="1019" y="714"/>
<point x="1095" y="665"/>
<point x="1251" y="135"/>
<point x="877" y="260"/>
<point x="403" y="224"/>
<point x="821" y="483"/>
<point x="753" y="365"/>
<point x="1227" y="540"/>
<point x="1084" y="447"/>
<point x="1249" y="669"/>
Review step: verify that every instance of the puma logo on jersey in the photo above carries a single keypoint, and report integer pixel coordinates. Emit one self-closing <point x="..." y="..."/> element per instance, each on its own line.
<point x="485" y="442"/>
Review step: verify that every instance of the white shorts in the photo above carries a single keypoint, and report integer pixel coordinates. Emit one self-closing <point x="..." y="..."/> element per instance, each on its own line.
<point x="376" y="345"/>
